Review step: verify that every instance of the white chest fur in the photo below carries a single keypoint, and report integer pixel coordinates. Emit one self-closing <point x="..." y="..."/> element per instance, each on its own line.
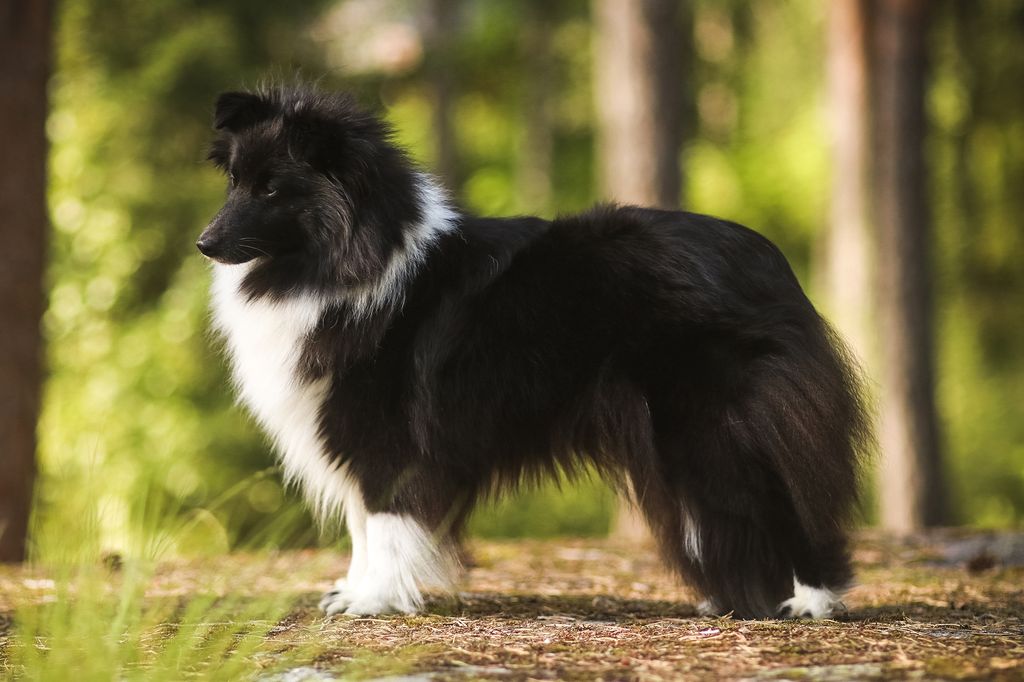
<point x="264" y="341"/>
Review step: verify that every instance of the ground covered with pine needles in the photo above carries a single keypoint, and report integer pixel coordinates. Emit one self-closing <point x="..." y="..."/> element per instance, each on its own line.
<point x="949" y="605"/>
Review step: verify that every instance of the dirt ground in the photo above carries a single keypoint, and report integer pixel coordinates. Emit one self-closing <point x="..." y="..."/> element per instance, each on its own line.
<point x="949" y="605"/>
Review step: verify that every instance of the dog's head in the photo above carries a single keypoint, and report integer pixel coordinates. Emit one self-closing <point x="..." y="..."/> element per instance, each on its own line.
<point x="312" y="180"/>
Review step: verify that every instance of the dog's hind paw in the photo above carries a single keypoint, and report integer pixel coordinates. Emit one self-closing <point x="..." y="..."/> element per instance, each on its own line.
<point x="811" y="602"/>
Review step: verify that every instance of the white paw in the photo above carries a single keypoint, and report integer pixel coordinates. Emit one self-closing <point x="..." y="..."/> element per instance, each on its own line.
<point x="370" y="598"/>
<point x="810" y="602"/>
<point x="378" y="605"/>
<point x="400" y="559"/>
<point x="335" y="602"/>
<point x="337" y="599"/>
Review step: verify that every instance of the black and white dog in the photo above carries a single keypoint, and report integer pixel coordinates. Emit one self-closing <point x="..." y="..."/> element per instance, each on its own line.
<point x="409" y="359"/>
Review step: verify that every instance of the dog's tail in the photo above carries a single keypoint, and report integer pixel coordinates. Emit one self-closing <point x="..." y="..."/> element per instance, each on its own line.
<point x="806" y="412"/>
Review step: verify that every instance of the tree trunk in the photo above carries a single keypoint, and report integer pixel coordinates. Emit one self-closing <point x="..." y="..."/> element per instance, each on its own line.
<point x="845" y="268"/>
<point x="24" y="70"/>
<point x="638" y="88"/>
<point x="535" y="157"/>
<point x="911" y="486"/>
<point x="440" y="30"/>
<point x="638" y="59"/>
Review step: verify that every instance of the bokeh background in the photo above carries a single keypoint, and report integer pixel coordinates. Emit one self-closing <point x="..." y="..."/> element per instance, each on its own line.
<point x="140" y="447"/>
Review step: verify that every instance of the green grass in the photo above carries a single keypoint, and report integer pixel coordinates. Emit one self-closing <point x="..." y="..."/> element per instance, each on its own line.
<point x="102" y="615"/>
<point x="100" y="626"/>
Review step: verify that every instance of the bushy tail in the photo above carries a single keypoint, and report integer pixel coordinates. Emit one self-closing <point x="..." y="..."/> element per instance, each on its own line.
<point x="811" y="419"/>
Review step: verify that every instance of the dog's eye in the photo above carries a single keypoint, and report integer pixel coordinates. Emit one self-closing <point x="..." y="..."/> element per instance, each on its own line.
<point x="270" y="192"/>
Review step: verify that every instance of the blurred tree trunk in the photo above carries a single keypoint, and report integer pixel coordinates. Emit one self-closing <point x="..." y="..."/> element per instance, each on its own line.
<point x="440" y="30"/>
<point x="24" y="71"/>
<point x="535" y="158"/>
<point x="911" y="485"/>
<point x="639" y="85"/>
<point x="845" y="266"/>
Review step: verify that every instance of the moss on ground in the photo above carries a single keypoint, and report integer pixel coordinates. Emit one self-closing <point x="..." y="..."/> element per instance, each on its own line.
<point x="587" y="610"/>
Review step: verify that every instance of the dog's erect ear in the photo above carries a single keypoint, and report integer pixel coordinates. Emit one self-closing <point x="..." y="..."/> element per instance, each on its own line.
<point x="237" y="110"/>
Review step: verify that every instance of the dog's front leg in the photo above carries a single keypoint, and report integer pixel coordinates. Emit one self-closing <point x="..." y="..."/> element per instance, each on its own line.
<point x="338" y="599"/>
<point x="396" y="551"/>
<point x="402" y="559"/>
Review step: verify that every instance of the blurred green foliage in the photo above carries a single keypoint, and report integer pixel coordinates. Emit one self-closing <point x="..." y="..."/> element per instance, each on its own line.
<point x="138" y="421"/>
<point x="977" y="161"/>
<point x="136" y="412"/>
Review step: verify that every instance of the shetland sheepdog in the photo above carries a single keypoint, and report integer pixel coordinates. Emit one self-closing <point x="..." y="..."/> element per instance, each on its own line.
<point x="410" y="359"/>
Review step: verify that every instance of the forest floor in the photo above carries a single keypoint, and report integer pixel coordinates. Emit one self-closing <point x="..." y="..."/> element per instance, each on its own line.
<point x="949" y="605"/>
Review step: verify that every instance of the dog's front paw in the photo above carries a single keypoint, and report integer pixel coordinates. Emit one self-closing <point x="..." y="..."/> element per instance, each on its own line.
<point x="368" y="600"/>
<point x="335" y="602"/>
<point x="378" y="606"/>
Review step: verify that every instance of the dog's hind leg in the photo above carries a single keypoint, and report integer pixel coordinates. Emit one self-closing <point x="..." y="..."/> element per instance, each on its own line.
<point x="723" y="549"/>
<point x="741" y="567"/>
<point x="676" y="531"/>
<point x="721" y="515"/>
<point x="821" y="573"/>
<point x="770" y="479"/>
<point x="740" y="539"/>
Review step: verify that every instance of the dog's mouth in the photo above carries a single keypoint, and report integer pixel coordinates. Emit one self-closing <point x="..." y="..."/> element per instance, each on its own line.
<point x="229" y="253"/>
<point x="231" y="261"/>
<point x="227" y="260"/>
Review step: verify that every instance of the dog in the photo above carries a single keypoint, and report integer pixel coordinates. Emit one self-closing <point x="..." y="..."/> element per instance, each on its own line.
<point x="410" y="359"/>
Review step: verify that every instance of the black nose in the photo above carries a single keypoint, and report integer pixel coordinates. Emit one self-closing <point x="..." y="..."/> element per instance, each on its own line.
<point x="205" y="246"/>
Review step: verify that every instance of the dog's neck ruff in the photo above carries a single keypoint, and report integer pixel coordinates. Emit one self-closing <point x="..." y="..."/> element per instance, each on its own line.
<point x="437" y="219"/>
<point x="264" y="340"/>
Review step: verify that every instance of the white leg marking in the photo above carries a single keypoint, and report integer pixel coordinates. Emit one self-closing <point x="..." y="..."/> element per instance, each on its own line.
<point x="811" y="602"/>
<point x="355" y="518"/>
<point x="402" y="559"/>
<point x="708" y="607"/>
<point x="691" y="537"/>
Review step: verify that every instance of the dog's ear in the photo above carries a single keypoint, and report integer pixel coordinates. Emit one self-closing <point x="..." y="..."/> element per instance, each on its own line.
<point x="237" y="110"/>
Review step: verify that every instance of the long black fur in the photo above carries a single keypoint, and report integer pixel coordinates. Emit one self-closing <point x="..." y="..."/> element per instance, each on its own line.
<point x="671" y="350"/>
